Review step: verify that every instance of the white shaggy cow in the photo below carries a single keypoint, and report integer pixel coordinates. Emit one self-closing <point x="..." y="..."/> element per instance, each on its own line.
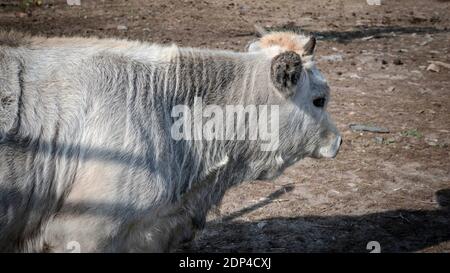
<point x="87" y="156"/>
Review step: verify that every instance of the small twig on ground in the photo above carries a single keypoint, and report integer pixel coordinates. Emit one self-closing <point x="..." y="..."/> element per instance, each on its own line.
<point x="368" y="128"/>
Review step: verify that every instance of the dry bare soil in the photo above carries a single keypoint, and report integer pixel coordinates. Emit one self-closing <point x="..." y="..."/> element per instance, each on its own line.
<point x="392" y="188"/>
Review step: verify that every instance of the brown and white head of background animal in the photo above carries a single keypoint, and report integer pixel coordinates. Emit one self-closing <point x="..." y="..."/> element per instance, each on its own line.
<point x="306" y="128"/>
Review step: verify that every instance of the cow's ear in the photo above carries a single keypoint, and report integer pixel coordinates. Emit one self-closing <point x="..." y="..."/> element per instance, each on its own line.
<point x="285" y="72"/>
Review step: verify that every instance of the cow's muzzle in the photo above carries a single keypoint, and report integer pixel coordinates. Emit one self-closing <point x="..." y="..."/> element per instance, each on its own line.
<point x="330" y="150"/>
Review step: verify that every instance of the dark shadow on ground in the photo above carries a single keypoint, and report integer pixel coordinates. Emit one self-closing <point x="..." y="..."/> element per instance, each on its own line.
<point x="361" y="32"/>
<point x="396" y="231"/>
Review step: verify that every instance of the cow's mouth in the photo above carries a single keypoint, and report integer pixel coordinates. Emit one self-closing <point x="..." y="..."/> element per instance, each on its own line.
<point x="330" y="150"/>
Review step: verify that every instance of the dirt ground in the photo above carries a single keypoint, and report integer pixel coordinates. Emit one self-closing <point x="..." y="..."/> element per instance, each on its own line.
<point x="393" y="188"/>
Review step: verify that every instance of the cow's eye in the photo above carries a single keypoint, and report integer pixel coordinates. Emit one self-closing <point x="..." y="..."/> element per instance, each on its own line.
<point x="319" y="102"/>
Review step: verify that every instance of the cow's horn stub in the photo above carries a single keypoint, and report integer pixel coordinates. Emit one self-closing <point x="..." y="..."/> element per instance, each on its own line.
<point x="260" y="31"/>
<point x="308" y="48"/>
<point x="285" y="72"/>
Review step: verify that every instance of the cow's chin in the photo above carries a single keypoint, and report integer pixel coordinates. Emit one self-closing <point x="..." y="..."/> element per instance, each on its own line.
<point x="277" y="170"/>
<point x="269" y="174"/>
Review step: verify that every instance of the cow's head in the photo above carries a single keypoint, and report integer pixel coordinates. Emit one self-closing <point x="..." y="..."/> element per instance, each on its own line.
<point x="306" y="128"/>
